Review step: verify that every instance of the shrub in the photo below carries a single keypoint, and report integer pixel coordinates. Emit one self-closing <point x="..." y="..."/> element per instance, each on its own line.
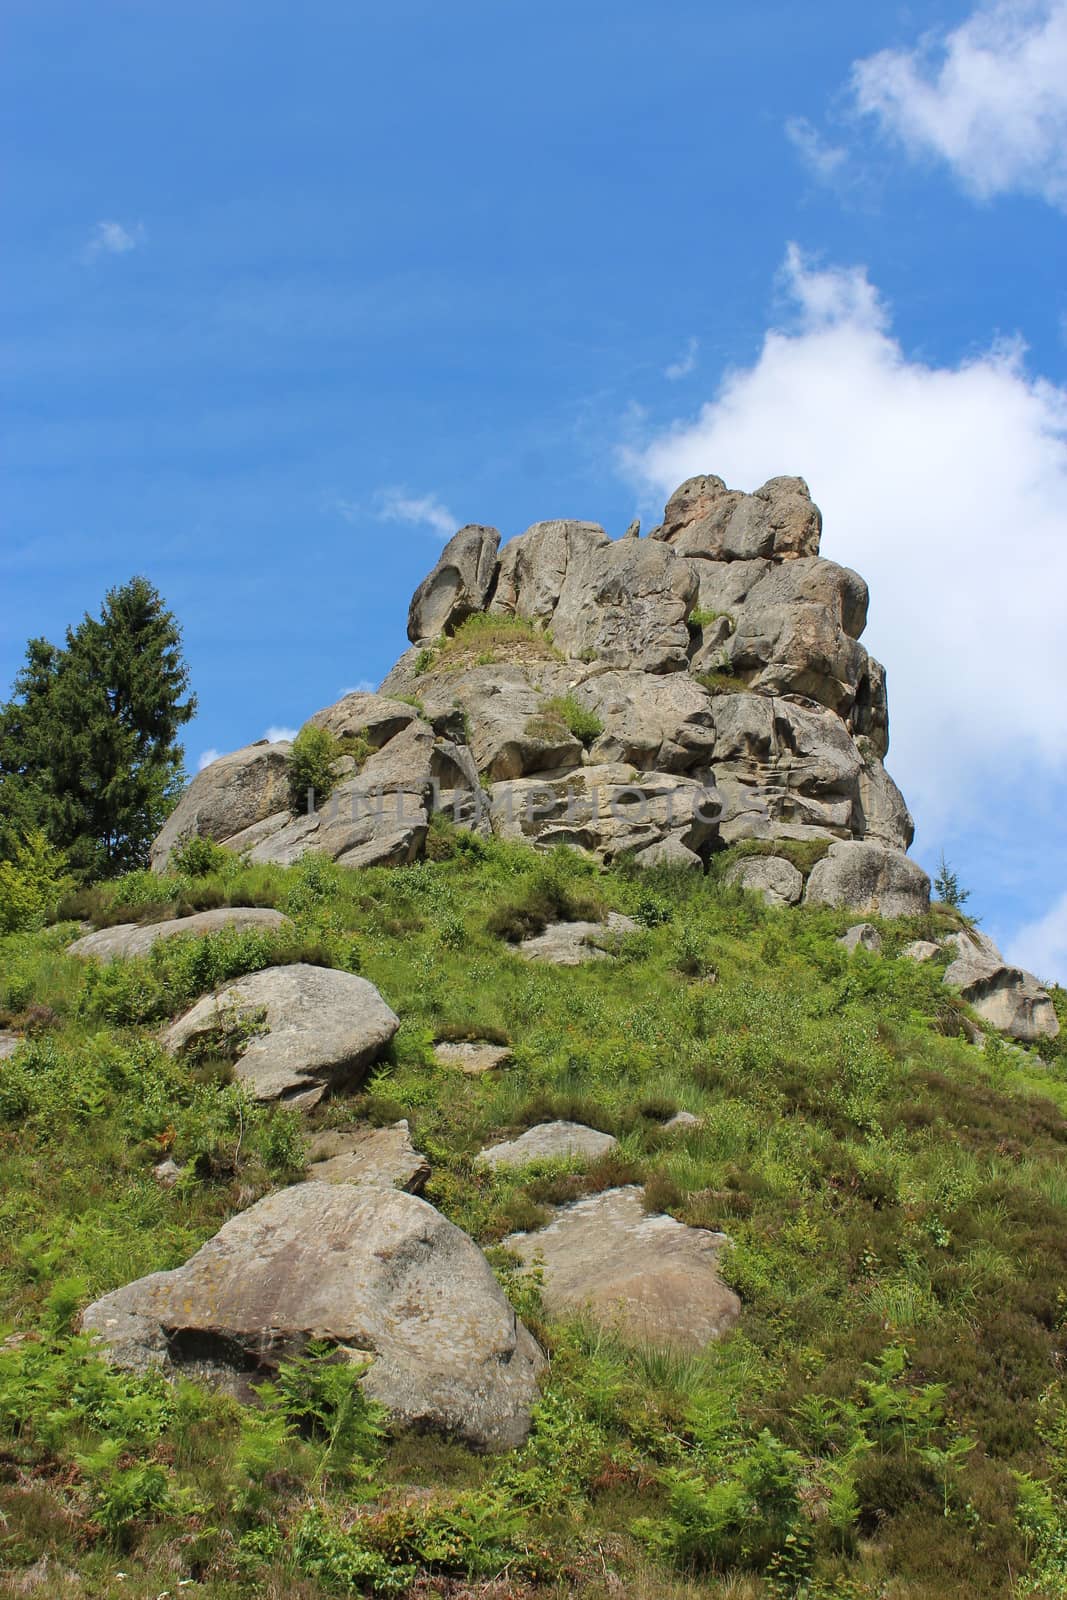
<point x="702" y="617"/>
<point x="576" y="718"/>
<point x="312" y="763"/>
<point x="31" y="883"/>
<point x="196" y="857"/>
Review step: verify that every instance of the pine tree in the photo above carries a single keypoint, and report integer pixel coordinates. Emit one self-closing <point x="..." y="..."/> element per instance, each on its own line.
<point x="89" y="748"/>
<point x="947" y="885"/>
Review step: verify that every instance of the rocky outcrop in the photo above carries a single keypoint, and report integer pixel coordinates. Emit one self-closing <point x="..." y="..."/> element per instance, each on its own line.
<point x="379" y="1274"/>
<point x="458" y="586"/>
<point x="228" y="797"/>
<point x="647" y="1277"/>
<point x="570" y="944"/>
<point x="718" y="657"/>
<point x="863" y="936"/>
<point x="776" y="879"/>
<point x="127" y="939"/>
<point x="1008" y="998"/>
<point x="296" y="1032"/>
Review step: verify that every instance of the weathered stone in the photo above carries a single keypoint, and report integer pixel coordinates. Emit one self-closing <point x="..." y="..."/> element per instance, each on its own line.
<point x="374" y="717"/>
<point x="880" y="813"/>
<point x="377" y="1273"/>
<point x="569" y="944"/>
<point x="669" y="852"/>
<point x="797" y="633"/>
<point x="382" y="1156"/>
<point x="166" y="1173"/>
<point x="648" y="1277"/>
<point x="626" y="604"/>
<point x="458" y="586"/>
<point x="534" y="567"/>
<point x="871" y="878"/>
<point x="775" y="878"/>
<point x="862" y="936"/>
<point x="9" y="1043"/>
<point x="228" y="796"/>
<point x="681" y="1122"/>
<point x="703" y="518"/>
<point x="607" y="810"/>
<point x="549" y="1141"/>
<point x="301" y="1030"/>
<point x="1007" y="997"/>
<point x="659" y="723"/>
<point x="783" y="770"/>
<point x="472" y="1056"/>
<point x="128" y="939"/>
<point x="920" y="950"/>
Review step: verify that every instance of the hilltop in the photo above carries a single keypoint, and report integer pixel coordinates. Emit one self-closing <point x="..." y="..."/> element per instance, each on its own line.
<point x="533" y="1134"/>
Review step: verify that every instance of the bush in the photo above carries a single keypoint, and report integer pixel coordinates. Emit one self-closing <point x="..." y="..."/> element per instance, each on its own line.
<point x="312" y="763"/>
<point x="31" y="883"/>
<point x="196" y="857"/>
<point x="576" y="718"/>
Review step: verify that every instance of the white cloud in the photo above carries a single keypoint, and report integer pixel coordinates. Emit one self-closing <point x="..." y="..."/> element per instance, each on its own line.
<point x="206" y="758"/>
<point x="822" y="159"/>
<point x="685" y="363"/>
<point x="112" y="239"/>
<point x="946" y="487"/>
<point x="989" y="98"/>
<point x="364" y="686"/>
<point x="275" y="734"/>
<point x="397" y="505"/>
<point x="1041" y="946"/>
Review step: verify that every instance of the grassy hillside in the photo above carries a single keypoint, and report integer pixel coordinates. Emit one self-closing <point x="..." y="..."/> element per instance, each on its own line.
<point x="888" y="1419"/>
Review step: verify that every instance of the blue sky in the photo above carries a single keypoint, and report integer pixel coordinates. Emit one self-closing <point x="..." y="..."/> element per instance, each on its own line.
<point x="289" y="296"/>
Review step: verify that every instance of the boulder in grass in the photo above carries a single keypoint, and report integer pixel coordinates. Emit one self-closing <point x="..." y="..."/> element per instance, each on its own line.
<point x="128" y="939"/>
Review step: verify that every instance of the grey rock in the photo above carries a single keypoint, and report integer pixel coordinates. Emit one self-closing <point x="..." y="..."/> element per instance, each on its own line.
<point x="626" y="604"/>
<point x="972" y="944"/>
<point x="607" y="810"/>
<point x="703" y="518"/>
<point x="633" y="530"/>
<point x="128" y="939"/>
<point x="862" y="936"/>
<point x="320" y="1029"/>
<point x="375" y="717"/>
<point x="775" y="878"/>
<point x="384" y="1157"/>
<point x="661" y="723"/>
<point x="880" y="813"/>
<point x="377" y="1273"/>
<point x="471" y="1056"/>
<point x="458" y="586"/>
<point x="871" y="878"/>
<point x="534" y="567"/>
<point x="1008" y="998"/>
<point x="228" y="796"/>
<point x="783" y="770"/>
<point x="681" y="1122"/>
<point x="166" y="1173"/>
<point x="669" y="852"/>
<point x="570" y="944"/>
<point x="549" y="1141"/>
<point x="797" y="633"/>
<point x="9" y="1043"/>
<point x="647" y="1277"/>
<point x="920" y="950"/>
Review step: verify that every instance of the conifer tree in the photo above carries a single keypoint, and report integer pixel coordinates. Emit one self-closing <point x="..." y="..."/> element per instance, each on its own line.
<point x="89" y="749"/>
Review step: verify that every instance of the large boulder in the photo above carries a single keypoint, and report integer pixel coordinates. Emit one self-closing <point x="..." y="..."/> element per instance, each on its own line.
<point x="1007" y="997"/>
<point x="549" y="1141"/>
<point x="374" y="717"/>
<point x="880" y="813"/>
<point x="227" y="797"/>
<point x="871" y="878"/>
<point x="298" y="1031"/>
<point x="572" y="944"/>
<point x="706" y="519"/>
<point x="783" y="769"/>
<point x="534" y="567"/>
<point x="377" y="1273"/>
<point x="627" y="604"/>
<point x="798" y="633"/>
<point x="458" y="586"/>
<point x="773" y="877"/>
<point x="648" y="1277"/>
<point x="128" y="939"/>
<point x="383" y="1157"/>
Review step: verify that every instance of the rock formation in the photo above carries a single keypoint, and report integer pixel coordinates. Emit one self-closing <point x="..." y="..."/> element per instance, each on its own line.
<point x="658" y="697"/>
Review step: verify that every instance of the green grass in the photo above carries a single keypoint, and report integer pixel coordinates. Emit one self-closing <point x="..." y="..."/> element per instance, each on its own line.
<point x="887" y="1419"/>
<point x="487" y="637"/>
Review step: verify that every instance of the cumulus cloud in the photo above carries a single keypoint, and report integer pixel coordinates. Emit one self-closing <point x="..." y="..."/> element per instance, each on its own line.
<point x="112" y="239"/>
<point x="206" y="758"/>
<point x="426" y="510"/>
<point x="988" y="98"/>
<point x="685" y="363"/>
<point x="822" y="159"/>
<point x="364" y="686"/>
<point x="946" y="487"/>
<point x="275" y="734"/>
<point x="1041" y="946"/>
